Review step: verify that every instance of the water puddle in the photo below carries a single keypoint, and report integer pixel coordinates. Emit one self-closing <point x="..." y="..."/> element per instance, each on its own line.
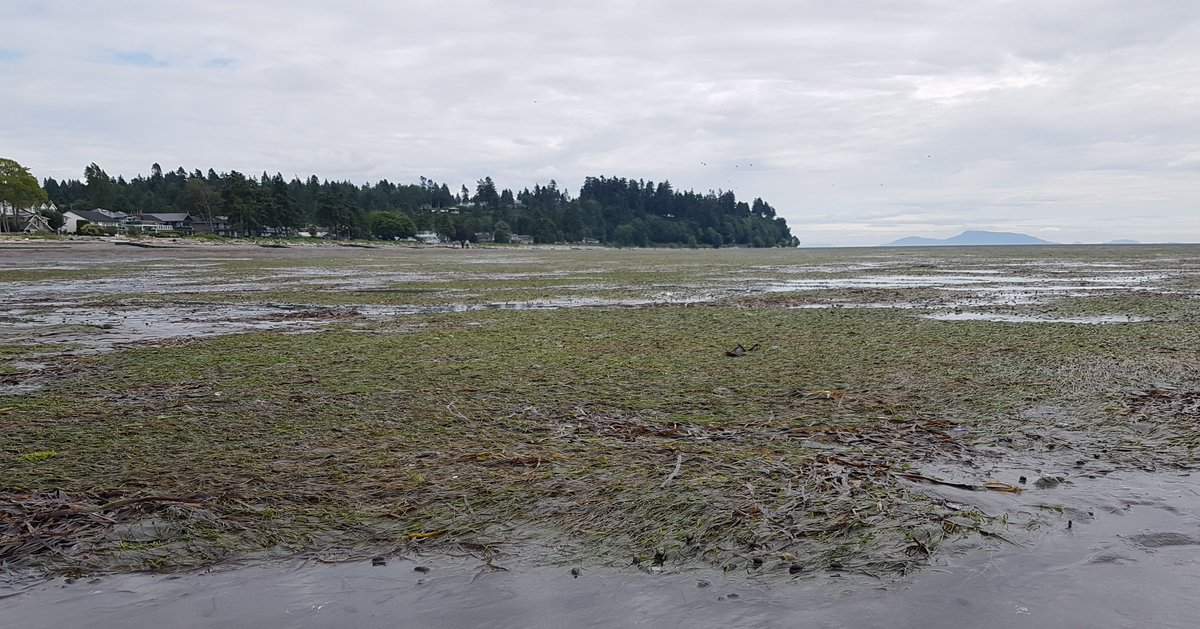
<point x="83" y="330"/>
<point x="1129" y="557"/>
<point x="99" y="328"/>
<point x="957" y="280"/>
<point x="1014" y="318"/>
<point x="377" y="311"/>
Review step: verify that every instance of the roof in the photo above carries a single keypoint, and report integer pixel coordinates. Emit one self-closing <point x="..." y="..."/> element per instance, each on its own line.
<point x="167" y="217"/>
<point x="93" y="216"/>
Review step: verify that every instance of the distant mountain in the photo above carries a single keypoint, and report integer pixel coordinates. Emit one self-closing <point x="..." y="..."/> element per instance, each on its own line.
<point x="969" y="238"/>
<point x="1124" y="241"/>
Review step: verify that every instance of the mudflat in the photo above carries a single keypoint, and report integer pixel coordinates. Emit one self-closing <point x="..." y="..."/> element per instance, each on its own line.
<point x="772" y="414"/>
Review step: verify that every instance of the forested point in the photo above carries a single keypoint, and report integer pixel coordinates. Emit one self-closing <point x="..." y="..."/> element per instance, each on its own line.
<point x="607" y="210"/>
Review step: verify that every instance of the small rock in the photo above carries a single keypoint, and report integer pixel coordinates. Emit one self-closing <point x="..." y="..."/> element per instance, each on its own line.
<point x="1046" y="482"/>
<point x="575" y="572"/>
<point x="1022" y="480"/>
<point x="421" y="569"/>
<point x="795" y="568"/>
<point x="702" y="583"/>
<point x="379" y="561"/>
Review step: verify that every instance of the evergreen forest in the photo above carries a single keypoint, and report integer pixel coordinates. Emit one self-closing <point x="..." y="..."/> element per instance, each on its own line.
<point x="610" y="210"/>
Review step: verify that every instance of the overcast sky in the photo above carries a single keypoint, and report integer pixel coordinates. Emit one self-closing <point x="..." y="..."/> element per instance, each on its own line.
<point x="861" y="122"/>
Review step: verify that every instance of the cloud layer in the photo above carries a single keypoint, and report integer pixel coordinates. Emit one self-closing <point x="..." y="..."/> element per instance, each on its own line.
<point x="1073" y="120"/>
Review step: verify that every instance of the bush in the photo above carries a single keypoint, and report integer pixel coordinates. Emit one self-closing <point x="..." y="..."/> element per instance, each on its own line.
<point x="391" y="225"/>
<point x="96" y="230"/>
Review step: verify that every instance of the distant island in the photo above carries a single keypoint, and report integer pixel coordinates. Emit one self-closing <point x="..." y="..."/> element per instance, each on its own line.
<point x="969" y="238"/>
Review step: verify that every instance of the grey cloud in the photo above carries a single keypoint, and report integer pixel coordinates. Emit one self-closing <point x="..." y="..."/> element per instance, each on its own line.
<point x="864" y="121"/>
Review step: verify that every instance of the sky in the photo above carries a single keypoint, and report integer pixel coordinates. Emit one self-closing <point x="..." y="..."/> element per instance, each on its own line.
<point x="860" y="122"/>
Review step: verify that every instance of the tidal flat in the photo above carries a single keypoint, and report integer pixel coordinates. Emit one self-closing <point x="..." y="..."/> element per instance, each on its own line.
<point x="761" y="415"/>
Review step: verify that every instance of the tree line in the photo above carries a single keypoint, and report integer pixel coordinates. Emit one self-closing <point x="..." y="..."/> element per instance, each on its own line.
<point x="607" y="210"/>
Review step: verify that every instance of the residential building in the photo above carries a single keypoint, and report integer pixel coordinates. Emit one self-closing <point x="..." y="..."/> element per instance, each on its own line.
<point x="28" y="220"/>
<point x="429" y="238"/>
<point x="102" y="218"/>
<point x="166" y="221"/>
<point x="218" y="225"/>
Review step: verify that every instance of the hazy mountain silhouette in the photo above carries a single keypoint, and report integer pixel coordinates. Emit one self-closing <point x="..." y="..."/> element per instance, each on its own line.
<point x="968" y="238"/>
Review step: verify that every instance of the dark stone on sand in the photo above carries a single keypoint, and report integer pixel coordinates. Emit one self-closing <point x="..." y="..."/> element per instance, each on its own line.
<point x="1160" y="540"/>
<point x="1047" y="482"/>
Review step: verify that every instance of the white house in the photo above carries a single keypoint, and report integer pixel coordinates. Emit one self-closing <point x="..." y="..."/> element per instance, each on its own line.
<point x="429" y="238"/>
<point x="99" y="217"/>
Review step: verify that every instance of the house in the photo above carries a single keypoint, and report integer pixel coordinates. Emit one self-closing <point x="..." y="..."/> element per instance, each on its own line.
<point x="278" y="232"/>
<point x="218" y="225"/>
<point x="74" y="219"/>
<point x="523" y="239"/>
<point x="485" y="237"/>
<point x="147" y="223"/>
<point x="28" y="220"/>
<point x="429" y="238"/>
<point x="166" y="222"/>
<point x="35" y="223"/>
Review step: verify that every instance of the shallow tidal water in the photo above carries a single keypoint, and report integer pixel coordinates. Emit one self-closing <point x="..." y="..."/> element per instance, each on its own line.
<point x="1131" y="558"/>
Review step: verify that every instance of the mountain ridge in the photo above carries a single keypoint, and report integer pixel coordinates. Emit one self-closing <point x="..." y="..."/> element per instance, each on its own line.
<point x="971" y="238"/>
